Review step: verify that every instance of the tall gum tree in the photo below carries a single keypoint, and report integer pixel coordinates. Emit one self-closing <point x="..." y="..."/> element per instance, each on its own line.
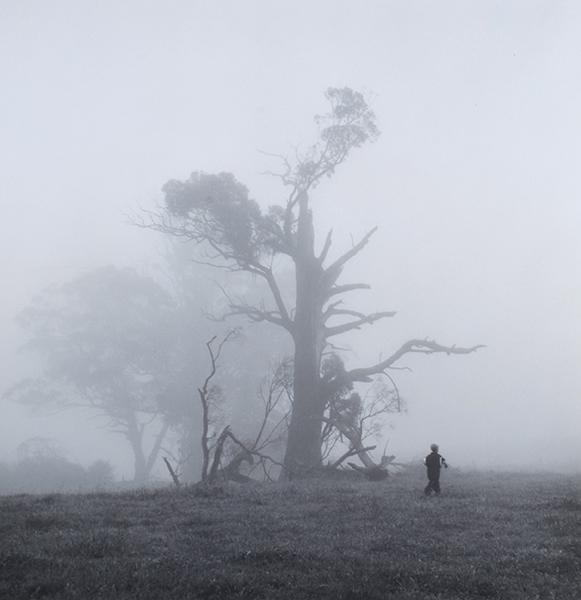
<point x="216" y="212"/>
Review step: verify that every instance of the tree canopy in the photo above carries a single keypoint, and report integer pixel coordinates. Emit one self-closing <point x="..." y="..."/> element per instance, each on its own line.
<point x="105" y="343"/>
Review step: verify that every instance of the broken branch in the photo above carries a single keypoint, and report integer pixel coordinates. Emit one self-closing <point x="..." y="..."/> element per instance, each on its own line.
<point x="368" y="319"/>
<point x="422" y="346"/>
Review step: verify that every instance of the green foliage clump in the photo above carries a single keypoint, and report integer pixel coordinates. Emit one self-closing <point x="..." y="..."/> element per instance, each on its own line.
<point x="217" y="207"/>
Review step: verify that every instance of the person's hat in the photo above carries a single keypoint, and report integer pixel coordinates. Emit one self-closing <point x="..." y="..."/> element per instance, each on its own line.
<point x="434" y="447"/>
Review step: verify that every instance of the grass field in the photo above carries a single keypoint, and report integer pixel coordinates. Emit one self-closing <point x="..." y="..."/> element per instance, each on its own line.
<point x="506" y="536"/>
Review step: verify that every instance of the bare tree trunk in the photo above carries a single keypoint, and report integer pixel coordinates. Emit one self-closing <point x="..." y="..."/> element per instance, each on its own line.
<point x="304" y="438"/>
<point x="218" y="450"/>
<point x="135" y="437"/>
<point x="172" y="472"/>
<point x="205" y="431"/>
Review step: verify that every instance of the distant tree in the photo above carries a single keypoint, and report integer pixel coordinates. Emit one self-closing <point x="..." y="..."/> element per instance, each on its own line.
<point x="216" y="213"/>
<point x="43" y="467"/>
<point x="39" y="448"/>
<point x="100" y="475"/>
<point x="105" y="340"/>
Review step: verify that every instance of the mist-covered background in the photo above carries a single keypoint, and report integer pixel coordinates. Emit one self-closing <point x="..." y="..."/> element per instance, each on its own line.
<point x="473" y="184"/>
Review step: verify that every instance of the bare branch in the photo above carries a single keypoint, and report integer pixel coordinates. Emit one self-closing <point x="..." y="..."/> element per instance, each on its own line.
<point x="275" y="289"/>
<point x="396" y="391"/>
<point x="348" y="287"/>
<point x="326" y="247"/>
<point x="421" y="346"/>
<point x="336" y="266"/>
<point x="254" y="314"/>
<point x="364" y="320"/>
<point x="285" y="176"/>
<point x="271" y="399"/>
<point x="253" y="452"/>
<point x="351" y="452"/>
<point x="333" y="311"/>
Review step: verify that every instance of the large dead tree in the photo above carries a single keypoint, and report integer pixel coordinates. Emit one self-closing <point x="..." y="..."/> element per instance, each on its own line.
<point x="215" y="212"/>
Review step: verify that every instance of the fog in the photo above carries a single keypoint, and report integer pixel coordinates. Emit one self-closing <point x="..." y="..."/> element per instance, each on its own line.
<point x="473" y="185"/>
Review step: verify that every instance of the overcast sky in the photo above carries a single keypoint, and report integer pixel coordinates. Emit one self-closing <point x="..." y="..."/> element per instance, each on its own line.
<point x="474" y="182"/>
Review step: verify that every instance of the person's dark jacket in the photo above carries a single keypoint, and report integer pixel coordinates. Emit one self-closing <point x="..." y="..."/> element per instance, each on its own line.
<point x="434" y="463"/>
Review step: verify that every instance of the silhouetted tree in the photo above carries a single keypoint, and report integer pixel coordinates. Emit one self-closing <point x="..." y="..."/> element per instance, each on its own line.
<point x="216" y="212"/>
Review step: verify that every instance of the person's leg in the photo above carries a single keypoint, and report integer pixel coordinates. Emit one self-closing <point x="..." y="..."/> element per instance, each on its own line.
<point x="436" y="485"/>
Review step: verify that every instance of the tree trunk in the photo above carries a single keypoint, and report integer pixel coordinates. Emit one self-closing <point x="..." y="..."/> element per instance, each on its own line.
<point x="189" y="452"/>
<point x="135" y="437"/>
<point x="304" y="438"/>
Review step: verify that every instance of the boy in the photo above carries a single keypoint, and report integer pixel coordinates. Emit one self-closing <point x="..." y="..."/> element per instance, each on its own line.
<point x="434" y="463"/>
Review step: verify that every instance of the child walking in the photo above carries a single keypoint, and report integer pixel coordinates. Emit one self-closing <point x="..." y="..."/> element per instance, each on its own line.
<point x="434" y="463"/>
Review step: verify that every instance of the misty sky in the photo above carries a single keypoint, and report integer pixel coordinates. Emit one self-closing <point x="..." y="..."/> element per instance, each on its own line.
<point x="473" y="183"/>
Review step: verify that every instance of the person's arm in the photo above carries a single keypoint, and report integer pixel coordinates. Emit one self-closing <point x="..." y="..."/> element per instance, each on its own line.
<point x="444" y="462"/>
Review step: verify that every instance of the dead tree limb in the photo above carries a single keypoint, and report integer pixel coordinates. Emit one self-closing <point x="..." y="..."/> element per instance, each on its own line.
<point x="204" y="393"/>
<point x="172" y="472"/>
<point x="338" y="264"/>
<point x="218" y="450"/>
<point x="357" y="324"/>
<point x="349" y="453"/>
<point x="375" y="473"/>
<point x="413" y="346"/>
<point x="253" y="452"/>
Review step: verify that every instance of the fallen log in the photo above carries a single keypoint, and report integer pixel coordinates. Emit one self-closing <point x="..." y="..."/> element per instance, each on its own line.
<point x="373" y="473"/>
